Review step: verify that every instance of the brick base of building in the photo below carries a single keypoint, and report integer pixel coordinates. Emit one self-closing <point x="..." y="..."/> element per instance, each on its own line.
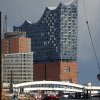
<point x="55" y="71"/>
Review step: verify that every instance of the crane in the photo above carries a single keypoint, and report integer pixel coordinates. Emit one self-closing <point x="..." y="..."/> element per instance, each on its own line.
<point x="98" y="75"/>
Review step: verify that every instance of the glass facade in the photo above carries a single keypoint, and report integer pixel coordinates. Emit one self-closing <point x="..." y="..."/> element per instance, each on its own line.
<point x="54" y="36"/>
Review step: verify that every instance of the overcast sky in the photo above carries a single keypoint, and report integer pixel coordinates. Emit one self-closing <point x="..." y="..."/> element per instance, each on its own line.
<point x="20" y="10"/>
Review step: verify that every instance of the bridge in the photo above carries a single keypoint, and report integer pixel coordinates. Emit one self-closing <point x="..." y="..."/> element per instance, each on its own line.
<point x="54" y="86"/>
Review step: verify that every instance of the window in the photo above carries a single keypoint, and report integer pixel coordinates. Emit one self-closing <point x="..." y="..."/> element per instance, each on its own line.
<point x="67" y="69"/>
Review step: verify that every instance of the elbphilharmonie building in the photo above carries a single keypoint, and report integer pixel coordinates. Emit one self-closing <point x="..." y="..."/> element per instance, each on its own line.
<point x="54" y="42"/>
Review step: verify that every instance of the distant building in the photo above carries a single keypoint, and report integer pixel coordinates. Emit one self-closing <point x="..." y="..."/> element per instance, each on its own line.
<point x="14" y="35"/>
<point x="19" y="65"/>
<point x="54" y="43"/>
<point x="15" y="43"/>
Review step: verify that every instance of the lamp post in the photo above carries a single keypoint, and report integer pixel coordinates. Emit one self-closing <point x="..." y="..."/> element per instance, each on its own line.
<point x="90" y="90"/>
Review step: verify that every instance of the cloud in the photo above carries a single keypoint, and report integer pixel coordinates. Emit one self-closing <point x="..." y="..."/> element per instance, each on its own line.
<point x="19" y="10"/>
<point x="92" y="15"/>
<point x="86" y="59"/>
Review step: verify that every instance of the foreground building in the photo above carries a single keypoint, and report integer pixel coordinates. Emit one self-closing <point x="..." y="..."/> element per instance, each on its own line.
<point x="54" y="43"/>
<point x="15" y="42"/>
<point x="17" y="58"/>
<point x="17" y="67"/>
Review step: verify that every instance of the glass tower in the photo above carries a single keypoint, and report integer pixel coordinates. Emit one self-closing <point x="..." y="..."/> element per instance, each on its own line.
<point x="54" y="36"/>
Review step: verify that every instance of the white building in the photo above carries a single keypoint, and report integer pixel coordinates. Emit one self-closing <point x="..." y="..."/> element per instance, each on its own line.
<point x="20" y="65"/>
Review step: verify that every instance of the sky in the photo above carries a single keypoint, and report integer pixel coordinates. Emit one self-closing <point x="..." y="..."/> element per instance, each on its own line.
<point x="20" y="10"/>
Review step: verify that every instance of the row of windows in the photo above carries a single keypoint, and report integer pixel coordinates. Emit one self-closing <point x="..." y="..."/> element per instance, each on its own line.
<point x="18" y="56"/>
<point x="49" y="86"/>
<point x="17" y="70"/>
<point x="20" y="75"/>
<point x="17" y="64"/>
<point x="17" y="81"/>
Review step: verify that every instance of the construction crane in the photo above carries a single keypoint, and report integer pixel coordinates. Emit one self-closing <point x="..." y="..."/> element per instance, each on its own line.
<point x="89" y="31"/>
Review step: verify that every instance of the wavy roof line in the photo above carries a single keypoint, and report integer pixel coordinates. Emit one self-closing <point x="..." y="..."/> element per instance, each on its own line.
<point x="49" y="8"/>
<point x="54" y="8"/>
<point x="29" y="22"/>
<point x="69" y="2"/>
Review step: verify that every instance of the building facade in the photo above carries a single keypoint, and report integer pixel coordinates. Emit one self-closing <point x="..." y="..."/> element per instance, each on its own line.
<point x="19" y="66"/>
<point x="14" y="44"/>
<point x="54" y="40"/>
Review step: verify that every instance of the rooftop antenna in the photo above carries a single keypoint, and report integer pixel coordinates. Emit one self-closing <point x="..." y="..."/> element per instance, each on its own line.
<point x="5" y="25"/>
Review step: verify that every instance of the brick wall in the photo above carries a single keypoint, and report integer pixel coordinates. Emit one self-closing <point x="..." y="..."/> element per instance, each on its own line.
<point x="55" y="71"/>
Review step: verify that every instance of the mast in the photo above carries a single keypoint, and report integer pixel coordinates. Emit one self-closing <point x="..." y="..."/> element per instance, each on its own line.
<point x="5" y="25"/>
<point x="0" y="63"/>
